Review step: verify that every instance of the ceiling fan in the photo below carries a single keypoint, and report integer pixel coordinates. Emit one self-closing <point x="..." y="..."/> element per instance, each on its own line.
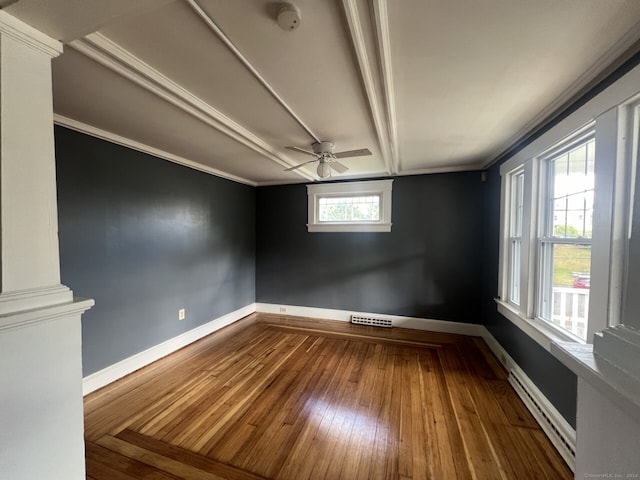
<point x="323" y="151"/>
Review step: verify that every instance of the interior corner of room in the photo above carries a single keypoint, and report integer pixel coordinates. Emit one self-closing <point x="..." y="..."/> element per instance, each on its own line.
<point x="169" y="168"/>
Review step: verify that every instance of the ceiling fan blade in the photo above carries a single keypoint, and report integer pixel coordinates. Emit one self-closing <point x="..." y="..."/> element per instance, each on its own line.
<point x="361" y="152"/>
<point x="298" y="166"/>
<point x="300" y="150"/>
<point x="338" y="167"/>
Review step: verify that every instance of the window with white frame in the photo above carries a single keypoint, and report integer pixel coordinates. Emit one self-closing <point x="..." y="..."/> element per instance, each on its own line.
<point x="565" y="231"/>
<point x="350" y="206"/>
<point x="548" y="209"/>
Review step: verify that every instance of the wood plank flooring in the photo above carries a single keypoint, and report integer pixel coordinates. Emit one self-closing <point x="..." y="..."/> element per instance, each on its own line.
<point x="282" y="398"/>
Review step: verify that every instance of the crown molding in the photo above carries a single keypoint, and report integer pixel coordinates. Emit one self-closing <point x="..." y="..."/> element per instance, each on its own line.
<point x="13" y="28"/>
<point x="605" y="65"/>
<point x="144" y="148"/>
<point x="381" y="19"/>
<point x="453" y="169"/>
<point x="366" y="71"/>
<point x="109" y="54"/>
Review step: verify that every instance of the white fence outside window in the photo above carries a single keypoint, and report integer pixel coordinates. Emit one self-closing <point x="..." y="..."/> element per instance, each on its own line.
<point x="571" y="309"/>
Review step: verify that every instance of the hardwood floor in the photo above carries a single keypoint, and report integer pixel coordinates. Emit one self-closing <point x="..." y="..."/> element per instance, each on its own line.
<point x="285" y="398"/>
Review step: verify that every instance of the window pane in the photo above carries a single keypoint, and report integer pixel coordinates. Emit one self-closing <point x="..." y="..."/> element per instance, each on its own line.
<point x="565" y="268"/>
<point x="517" y="204"/>
<point x="571" y="193"/>
<point x="349" y="209"/>
<point x="565" y="286"/>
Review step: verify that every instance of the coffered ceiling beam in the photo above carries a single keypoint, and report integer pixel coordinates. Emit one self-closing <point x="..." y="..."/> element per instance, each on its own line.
<point x="366" y="70"/>
<point x="381" y="18"/>
<point x="109" y="54"/>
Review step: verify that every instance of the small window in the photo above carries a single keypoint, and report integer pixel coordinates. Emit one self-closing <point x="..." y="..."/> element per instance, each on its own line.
<point x="350" y="207"/>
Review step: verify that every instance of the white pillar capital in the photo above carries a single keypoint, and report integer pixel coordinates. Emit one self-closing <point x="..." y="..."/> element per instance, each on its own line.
<point x="11" y="27"/>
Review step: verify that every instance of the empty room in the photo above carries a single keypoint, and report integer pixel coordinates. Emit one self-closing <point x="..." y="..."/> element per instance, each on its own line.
<point x="319" y="239"/>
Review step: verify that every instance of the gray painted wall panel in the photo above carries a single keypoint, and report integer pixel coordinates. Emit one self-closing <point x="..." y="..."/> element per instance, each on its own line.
<point x="428" y="266"/>
<point x="146" y="237"/>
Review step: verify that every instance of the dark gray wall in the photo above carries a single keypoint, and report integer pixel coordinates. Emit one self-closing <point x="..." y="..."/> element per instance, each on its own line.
<point x="146" y="237"/>
<point x="556" y="381"/>
<point x="428" y="266"/>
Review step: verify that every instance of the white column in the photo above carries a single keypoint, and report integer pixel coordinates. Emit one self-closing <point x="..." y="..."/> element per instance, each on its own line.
<point x="41" y="415"/>
<point x="28" y="211"/>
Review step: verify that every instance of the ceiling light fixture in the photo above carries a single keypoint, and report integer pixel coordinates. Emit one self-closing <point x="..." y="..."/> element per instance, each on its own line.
<point x="324" y="171"/>
<point x="288" y="16"/>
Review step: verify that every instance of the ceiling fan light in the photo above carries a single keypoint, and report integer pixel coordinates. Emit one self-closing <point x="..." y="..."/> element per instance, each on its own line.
<point x="324" y="171"/>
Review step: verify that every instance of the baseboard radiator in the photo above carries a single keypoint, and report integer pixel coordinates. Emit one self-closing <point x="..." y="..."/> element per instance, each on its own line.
<point x="372" y="321"/>
<point x="559" y="436"/>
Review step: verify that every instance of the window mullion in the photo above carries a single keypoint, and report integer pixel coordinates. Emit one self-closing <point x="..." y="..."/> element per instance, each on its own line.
<point x="527" y="257"/>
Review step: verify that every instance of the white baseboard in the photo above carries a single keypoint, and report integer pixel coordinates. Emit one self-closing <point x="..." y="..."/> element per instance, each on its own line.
<point x="129" y="365"/>
<point x="557" y="429"/>
<point x="415" y="323"/>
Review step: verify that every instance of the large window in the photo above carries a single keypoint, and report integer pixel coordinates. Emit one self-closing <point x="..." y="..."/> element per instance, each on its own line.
<point x="548" y="222"/>
<point x="565" y="231"/>
<point x="350" y="206"/>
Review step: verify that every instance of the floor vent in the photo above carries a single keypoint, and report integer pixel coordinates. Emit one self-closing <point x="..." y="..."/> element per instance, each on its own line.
<point x="373" y="321"/>
<point x="565" y="446"/>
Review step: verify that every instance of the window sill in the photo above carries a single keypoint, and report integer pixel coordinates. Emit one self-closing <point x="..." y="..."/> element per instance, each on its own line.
<point x="349" y="227"/>
<point x="543" y="334"/>
<point x="614" y="383"/>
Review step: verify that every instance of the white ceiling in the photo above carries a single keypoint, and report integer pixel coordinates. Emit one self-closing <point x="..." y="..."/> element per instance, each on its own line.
<point x="426" y="85"/>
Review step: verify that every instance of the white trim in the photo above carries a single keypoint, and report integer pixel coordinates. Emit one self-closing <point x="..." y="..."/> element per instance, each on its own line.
<point x="381" y="188"/>
<point x="533" y="272"/>
<point x="618" y="93"/>
<point x="129" y="365"/>
<point x="620" y="345"/>
<point x="611" y="381"/>
<point x="366" y="71"/>
<point x="112" y="56"/>
<point x="349" y="227"/>
<point x="542" y="332"/>
<point x="601" y="65"/>
<point x="561" y="434"/>
<point x="29" y="36"/>
<point x="44" y="314"/>
<point x="471" y="167"/>
<point x="405" y="173"/>
<point x="32" y="298"/>
<point x="416" y="323"/>
<point x="204" y="16"/>
<point x="141" y="147"/>
<point x="381" y="18"/>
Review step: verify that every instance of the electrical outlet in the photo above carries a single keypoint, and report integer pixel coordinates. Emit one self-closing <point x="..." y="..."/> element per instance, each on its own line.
<point x="283" y="309"/>
<point x="181" y="314"/>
